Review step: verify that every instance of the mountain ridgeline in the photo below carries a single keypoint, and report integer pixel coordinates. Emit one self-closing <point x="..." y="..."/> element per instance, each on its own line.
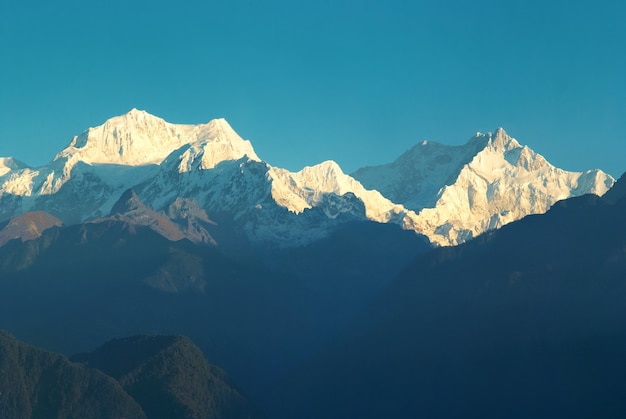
<point x="170" y="378"/>
<point x="448" y="193"/>
<point x="456" y="282"/>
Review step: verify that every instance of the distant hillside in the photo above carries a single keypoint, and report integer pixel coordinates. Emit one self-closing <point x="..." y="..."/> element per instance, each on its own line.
<point x="37" y="384"/>
<point x="141" y="377"/>
<point x="170" y="378"/>
<point x="526" y="321"/>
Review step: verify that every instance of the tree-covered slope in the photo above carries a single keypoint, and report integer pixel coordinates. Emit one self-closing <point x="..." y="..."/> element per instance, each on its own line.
<point x="170" y="378"/>
<point x="37" y="384"/>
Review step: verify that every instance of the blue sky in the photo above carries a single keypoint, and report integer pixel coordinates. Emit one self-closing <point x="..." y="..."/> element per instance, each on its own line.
<point x="358" y="82"/>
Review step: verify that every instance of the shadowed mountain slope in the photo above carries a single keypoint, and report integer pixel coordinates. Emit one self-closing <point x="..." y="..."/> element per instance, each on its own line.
<point x="37" y="384"/>
<point x="527" y="321"/>
<point x="256" y="317"/>
<point x="170" y="378"/>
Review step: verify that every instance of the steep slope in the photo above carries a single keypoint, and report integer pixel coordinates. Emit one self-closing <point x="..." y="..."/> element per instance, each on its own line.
<point x="8" y="164"/>
<point x="183" y="218"/>
<point x="415" y="178"/>
<point x="617" y="192"/>
<point x="308" y="187"/>
<point x="462" y="191"/>
<point x="170" y="378"/>
<point x="37" y="384"/>
<point x="266" y="204"/>
<point x="526" y="321"/>
<point x="27" y="226"/>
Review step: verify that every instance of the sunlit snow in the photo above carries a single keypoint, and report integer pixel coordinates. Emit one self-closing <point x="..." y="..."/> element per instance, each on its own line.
<point x="448" y="193"/>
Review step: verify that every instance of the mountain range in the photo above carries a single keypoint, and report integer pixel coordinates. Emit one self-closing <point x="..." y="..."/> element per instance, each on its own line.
<point x="311" y="289"/>
<point x="522" y="321"/>
<point x="198" y="174"/>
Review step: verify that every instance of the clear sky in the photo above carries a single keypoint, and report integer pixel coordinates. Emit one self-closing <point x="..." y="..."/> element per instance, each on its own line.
<point x="358" y="82"/>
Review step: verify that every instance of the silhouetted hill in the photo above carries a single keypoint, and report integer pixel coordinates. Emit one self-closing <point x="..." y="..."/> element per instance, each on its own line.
<point x="170" y="378"/>
<point x="527" y="321"/>
<point x="37" y="384"/>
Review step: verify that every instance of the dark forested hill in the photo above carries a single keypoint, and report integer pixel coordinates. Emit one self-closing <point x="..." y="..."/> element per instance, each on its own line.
<point x="37" y="384"/>
<point x="170" y="378"/>
<point x="139" y="377"/>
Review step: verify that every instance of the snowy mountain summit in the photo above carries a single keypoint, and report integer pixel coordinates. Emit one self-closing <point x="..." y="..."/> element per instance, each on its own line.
<point x="460" y="192"/>
<point x="86" y="178"/>
<point x="204" y="177"/>
<point x="168" y="164"/>
<point x="138" y="138"/>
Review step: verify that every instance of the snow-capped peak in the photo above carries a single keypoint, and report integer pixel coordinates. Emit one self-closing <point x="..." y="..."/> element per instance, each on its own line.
<point x="449" y="193"/>
<point x="322" y="172"/>
<point x="500" y="140"/>
<point x="138" y="138"/>
<point x="462" y="191"/>
<point x="117" y="155"/>
<point x="8" y="164"/>
<point x="309" y="187"/>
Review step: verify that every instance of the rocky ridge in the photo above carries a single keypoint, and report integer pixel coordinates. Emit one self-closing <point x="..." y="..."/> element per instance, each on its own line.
<point x="449" y="194"/>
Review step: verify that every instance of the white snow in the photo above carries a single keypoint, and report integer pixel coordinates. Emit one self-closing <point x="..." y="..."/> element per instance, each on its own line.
<point x="448" y="193"/>
<point x="305" y="189"/>
<point x="484" y="184"/>
<point x="7" y="164"/>
<point x="138" y="138"/>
